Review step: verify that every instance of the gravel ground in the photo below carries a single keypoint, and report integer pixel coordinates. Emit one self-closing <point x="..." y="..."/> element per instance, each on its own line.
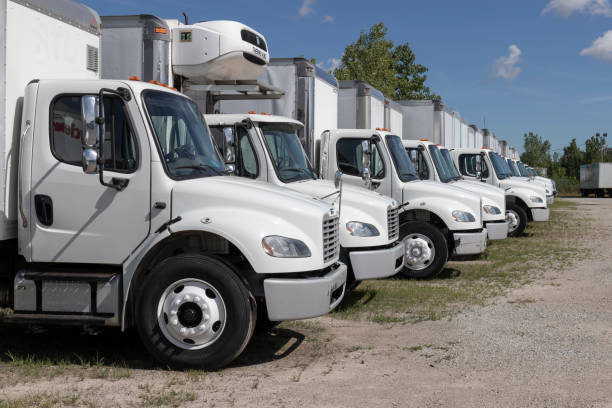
<point x="546" y="345"/>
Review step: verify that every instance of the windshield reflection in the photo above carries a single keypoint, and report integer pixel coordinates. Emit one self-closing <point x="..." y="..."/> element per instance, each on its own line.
<point x="405" y="170"/>
<point x="288" y="156"/>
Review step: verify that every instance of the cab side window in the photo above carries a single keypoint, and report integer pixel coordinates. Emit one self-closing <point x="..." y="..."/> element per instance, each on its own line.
<point x="467" y="165"/>
<point x="419" y="163"/>
<point x="248" y="160"/>
<point x="350" y="154"/>
<point x="120" y="149"/>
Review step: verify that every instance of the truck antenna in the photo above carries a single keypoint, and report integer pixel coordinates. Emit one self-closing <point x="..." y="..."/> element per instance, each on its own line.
<point x="186" y="18"/>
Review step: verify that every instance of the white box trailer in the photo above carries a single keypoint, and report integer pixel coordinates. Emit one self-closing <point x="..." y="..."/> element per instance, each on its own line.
<point x="73" y="54"/>
<point x="360" y="106"/>
<point x="471" y="138"/>
<point x="596" y="178"/>
<point x="465" y="131"/>
<point x="394" y="120"/>
<point x="310" y="96"/>
<point x="420" y="119"/>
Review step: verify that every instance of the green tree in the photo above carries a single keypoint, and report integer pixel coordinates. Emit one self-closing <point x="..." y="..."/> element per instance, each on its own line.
<point x="392" y="70"/>
<point x="572" y="158"/>
<point x="595" y="149"/>
<point x="537" y="151"/>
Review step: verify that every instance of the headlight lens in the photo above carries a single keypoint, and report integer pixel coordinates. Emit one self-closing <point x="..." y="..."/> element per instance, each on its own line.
<point x="282" y="247"/>
<point x="463" y="216"/>
<point x="361" y="229"/>
<point x="491" y="209"/>
<point x="535" y="199"/>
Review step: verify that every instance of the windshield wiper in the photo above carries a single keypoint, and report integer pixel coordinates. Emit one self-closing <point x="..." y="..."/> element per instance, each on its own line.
<point x="201" y="167"/>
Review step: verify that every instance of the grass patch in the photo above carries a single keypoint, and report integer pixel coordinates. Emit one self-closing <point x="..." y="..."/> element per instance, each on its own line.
<point x="42" y="400"/>
<point x="505" y="265"/>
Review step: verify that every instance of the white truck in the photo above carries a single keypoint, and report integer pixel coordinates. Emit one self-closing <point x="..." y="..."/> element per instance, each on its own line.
<point x="523" y="174"/>
<point x="436" y="220"/>
<point x="596" y="178"/>
<point x="524" y="201"/>
<point x="268" y="148"/>
<point x="117" y="210"/>
<point x="433" y="163"/>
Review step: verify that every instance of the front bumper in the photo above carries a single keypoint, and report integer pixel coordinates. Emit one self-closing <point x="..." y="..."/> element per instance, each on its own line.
<point x="377" y="264"/>
<point x="540" y="214"/>
<point x="550" y="199"/>
<point x="470" y="243"/>
<point x="293" y="299"/>
<point x="497" y="230"/>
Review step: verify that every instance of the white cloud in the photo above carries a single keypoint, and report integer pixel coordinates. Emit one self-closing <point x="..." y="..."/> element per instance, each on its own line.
<point x="328" y="19"/>
<point x="306" y="8"/>
<point x="601" y="48"/>
<point x="506" y="67"/>
<point x="330" y="64"/>
<point x="564" y="8"/>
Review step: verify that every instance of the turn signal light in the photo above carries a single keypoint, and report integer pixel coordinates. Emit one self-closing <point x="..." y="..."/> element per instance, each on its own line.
<point x="134" y="78"/>
<point x="423" y="139"/>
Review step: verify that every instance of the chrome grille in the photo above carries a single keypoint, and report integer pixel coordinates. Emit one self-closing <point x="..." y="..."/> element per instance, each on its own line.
<point x="393" y="223"/>
<point x="330" y="239"/>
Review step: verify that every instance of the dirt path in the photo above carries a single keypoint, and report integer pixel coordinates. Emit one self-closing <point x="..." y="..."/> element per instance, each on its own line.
<point x="548" y="344"/>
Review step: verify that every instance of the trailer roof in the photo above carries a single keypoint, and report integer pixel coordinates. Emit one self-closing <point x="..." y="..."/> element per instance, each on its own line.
<point x="363" y="88"/>
<point x="305" y="68"/>
<point x="68" y="11"/>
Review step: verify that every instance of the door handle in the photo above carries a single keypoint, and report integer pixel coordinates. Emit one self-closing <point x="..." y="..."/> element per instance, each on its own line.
<point x="44" y="209"/>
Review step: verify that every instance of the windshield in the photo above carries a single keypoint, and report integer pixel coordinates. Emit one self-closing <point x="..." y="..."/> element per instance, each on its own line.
<point x="187" y="149"/>
<point x="441" y="166"/>
<point x="522" y="169"/>
<point x="403" y="165"/>
<point x="451" y="165"/>
<point x="513" y="170"/>
<point x="288" y="156"/>
<point x="500" y="166"/>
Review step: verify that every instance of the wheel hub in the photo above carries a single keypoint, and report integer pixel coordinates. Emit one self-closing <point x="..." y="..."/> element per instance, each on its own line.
<point x="419" y="251"/>
<point x="513" y="220"/>
<point x="191" y="314"/>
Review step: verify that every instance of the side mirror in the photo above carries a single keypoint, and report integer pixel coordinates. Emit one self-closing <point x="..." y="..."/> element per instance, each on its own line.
<point x="229" y="141"/>
<point x="92" y="132"/>
<point x="338" y="179"/>
<point x="366" y="156"/>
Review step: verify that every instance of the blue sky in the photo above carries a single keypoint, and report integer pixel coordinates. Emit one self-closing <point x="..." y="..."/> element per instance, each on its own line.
<point x="524" y="65"/>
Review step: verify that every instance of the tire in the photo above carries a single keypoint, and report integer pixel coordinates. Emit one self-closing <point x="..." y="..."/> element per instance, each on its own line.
<point x="584" y="193"/>
<point x="517" y="212"/>
<point x="423" y="237"/>
<point x="599" y="193"/>
<point x="193" y="312"/>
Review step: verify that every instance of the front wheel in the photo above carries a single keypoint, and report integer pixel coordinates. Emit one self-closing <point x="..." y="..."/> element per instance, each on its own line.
<point x="425" y="249"/>
<point x="517" y="220"/>
<point x="193" y="312"/>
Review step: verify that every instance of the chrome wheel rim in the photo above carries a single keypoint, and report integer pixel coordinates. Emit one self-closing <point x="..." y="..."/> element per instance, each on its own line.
<point x="419" y="251"/>
<point x="513" y="220"/>
<point x="191" y="314"/>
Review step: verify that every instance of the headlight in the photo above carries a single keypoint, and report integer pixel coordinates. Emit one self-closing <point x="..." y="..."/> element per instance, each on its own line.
<point x="361" y="229"/>
<point x="491" y="209"/>
<point x="462" y="216"/>
<point x="535" y="199"/>
<point x="281" y="247"/>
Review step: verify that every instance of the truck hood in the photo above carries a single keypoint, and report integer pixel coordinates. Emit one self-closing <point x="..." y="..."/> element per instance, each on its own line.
<point x="547" y="185"/>
<point x="425" y="193"/>
<point x="524" y="188"/>
<point x="253" y="194"/>
<point x="358" y="204"/>
<point x="491" y="195"/>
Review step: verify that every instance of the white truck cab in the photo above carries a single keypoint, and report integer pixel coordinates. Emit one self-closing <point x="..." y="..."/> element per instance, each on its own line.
<point x="267" y="148"/>
<point x="434" y="163"/>
<point x="519" y="170"/>
<point x="524" y="201"/>
<point x="436" y="220"/>
<point x="118" y="209"/>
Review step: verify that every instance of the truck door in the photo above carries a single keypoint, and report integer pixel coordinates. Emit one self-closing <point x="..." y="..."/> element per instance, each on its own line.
<point x="349" y="156"/>
<point x="468" y="166"/>
<point x="73" y="217"/>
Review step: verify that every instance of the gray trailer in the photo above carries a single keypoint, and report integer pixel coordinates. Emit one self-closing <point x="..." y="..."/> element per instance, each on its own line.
<point x="394" y="117"/>
<point x="311" y="97"/>
<point x="596" y="178"/>
<point x="360" y="106"/>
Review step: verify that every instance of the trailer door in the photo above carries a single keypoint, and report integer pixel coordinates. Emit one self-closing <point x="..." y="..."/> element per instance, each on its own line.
<point x="73" y="217"/>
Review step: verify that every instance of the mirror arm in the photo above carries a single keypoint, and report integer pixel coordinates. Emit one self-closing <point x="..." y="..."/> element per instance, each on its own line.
<point x="123" y="93"/>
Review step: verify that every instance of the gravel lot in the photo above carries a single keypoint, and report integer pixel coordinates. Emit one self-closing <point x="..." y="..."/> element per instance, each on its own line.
<point x="546" y="345"/>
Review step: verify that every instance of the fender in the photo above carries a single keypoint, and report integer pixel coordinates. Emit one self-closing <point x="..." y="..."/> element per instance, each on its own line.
<point x="442" y="208"/>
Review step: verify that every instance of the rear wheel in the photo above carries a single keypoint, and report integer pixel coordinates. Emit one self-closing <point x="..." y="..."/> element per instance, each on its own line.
<point x="585" y="193"/>
<point x="194" y="312"/>
<point x="517" y="219"/>
<point x="425" y="249"/>
<point x="599" y="193"/>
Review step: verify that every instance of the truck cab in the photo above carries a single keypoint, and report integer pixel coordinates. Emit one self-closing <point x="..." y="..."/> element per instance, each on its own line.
<point x="548" y="184"/>
<point x="436" y="220"/>
<point x="267" y="148"/>
<point x="433" y="163"/>
<point x="525" y="201"/>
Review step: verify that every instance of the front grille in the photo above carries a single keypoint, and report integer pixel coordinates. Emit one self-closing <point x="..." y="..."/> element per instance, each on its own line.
<point x="393" y="223"/>
<point x="330" y="239"/>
